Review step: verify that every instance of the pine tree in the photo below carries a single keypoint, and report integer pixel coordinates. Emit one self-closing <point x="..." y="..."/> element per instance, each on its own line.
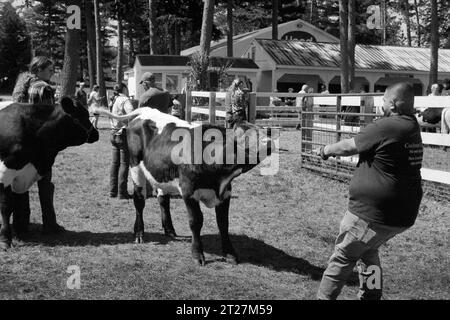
<point x="15" y="46"/>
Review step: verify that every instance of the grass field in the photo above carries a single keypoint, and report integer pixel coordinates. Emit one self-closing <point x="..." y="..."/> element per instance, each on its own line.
<point x="283" y="228"/>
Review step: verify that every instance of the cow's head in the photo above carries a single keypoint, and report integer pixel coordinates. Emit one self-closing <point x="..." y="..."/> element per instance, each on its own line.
<point x="256" y="142"/>
<point x="77" y="128"/>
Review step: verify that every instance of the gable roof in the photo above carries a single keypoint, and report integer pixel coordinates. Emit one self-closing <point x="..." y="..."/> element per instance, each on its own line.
<point x="390" y="58"/>
<point x="216" y="45"/>
<point x="147" y="60"/>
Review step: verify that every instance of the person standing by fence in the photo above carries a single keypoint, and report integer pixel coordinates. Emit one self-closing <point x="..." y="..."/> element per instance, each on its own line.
<point x="384" y="196"/>
<point x="177" y="108"/>
<point x="446" y="88"/>
<point x="235" y="104"/>
<point x="307" y="120"/>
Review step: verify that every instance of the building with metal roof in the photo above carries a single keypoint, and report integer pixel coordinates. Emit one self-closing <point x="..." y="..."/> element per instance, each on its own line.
<point x="296" y="29"/>
<point x="285" y="64"/>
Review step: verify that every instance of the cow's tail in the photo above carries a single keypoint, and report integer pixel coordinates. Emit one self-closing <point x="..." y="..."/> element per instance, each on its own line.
<point x="126" y="117"/>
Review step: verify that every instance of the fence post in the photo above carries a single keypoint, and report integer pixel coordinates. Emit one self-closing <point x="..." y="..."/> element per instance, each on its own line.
<point x="300" y="119"/>
<point x="188" y="106"/>
<point x="212" y="108"/>
<point x="368" y="108"/>
<point x="251" y="117"/>
<point x="307" y="123"/>
<point x="338" y="123"/>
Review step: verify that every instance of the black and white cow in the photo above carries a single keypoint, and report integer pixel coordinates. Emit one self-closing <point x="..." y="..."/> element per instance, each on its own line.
<point x="431" y="115"/>
<point x="197" y="161"/>
<point x="30" y="138"/>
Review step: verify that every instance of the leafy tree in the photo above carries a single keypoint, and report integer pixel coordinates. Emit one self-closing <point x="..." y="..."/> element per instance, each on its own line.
<point x="15" y="46"/>
<point x="45" y="20"/>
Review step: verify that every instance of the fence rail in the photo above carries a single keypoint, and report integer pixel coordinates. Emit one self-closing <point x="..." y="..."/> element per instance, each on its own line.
<point x="323" y="121"/>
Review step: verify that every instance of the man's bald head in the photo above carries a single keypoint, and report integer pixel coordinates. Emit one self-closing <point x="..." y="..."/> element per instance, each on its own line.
<point x="399" y="98"/>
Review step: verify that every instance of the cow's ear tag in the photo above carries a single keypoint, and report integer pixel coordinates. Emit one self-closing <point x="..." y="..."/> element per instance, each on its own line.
<point x="67" y="105"/>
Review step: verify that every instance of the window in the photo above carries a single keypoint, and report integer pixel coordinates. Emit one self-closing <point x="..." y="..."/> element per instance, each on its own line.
<point x="172" y="83"/>
<point x="158" y="79"/>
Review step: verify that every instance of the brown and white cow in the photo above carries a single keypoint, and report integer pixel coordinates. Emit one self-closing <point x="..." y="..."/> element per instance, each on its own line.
<point x="198" y="162"/>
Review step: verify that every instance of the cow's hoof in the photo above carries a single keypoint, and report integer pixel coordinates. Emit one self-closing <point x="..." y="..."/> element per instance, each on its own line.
<point x="5" y="246"/>
<point x="170" y="233"/>
<point x="200" y="259"/>
<point x="230" y="258"/>
<point x="139" y="239"/>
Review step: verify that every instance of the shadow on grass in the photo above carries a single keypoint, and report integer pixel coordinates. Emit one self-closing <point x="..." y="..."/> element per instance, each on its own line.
<point x="249" y="250"/>
<point x="87" y="238"/>
<point x="256" y="252"/>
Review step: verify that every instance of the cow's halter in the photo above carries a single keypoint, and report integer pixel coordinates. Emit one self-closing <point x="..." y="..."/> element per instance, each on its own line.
<point x="88" y="131"/>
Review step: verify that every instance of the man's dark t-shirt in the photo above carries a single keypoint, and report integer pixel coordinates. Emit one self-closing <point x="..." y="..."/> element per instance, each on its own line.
<point x="156" y="98"/>
<point x="387" y="186"/>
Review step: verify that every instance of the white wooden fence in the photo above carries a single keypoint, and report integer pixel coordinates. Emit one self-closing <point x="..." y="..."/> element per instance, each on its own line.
<point x="330" y="104"/>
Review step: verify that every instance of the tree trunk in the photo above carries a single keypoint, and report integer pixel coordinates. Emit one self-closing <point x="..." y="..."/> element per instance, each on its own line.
<point x="131" y="50"/>
<point x="313" y="12"/>
<point x="99" y="50"/>
<point x="383" y="22"/>
<point x="416" y="9"/>
<point x="343" y="29"/>
<point x="171" y="34"/>
<point x="351" y="43"/>
<point x="69" y="72"/>
<point x="151" y="26"/>
<point x="275" y="19"/>
<point x="119" y="72"/>
<point x="434" y="43"/>
<point x="207" y="23"/>
<point x="230" y="28"/>
<point x="90" y="44"/>
<point x="408" y="22"/>
<point x="178" y="32"/>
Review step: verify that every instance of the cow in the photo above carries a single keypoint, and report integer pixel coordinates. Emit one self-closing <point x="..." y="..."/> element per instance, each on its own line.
<point x="431" y="115"/>
<point x="155" y="140"/>
<point x="30" y="138"/>
<point x="436" y="115"/>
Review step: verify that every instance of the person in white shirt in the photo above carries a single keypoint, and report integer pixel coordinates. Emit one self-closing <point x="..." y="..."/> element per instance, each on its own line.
<point x="120" y="156"/>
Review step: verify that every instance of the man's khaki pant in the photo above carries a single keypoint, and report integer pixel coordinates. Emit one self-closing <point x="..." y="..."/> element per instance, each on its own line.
<point x="358" y="240"/>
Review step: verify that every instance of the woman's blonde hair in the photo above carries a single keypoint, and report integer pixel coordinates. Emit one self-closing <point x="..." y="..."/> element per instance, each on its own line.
<point x="39" y="63"/>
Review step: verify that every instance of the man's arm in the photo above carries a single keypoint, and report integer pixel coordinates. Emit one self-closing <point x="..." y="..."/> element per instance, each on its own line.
<point x="343" y="148"/>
